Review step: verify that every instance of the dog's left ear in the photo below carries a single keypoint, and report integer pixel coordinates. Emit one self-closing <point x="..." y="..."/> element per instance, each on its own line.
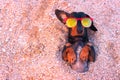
<point x="61" y="15"/>
<point x="92" y="27"/>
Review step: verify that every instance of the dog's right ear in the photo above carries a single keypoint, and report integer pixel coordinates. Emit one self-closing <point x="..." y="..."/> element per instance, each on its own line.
<point x="61" y="15"/>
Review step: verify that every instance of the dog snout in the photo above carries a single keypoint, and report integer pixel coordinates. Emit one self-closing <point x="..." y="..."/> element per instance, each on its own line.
<point x="79" y="27"/>
<point x="80" y="66"/>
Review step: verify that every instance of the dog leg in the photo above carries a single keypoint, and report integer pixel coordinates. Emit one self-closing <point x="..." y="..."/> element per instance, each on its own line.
<point x="92" y="53"/>
<point x="84" y="53"/>
<point x="68" y="54"/>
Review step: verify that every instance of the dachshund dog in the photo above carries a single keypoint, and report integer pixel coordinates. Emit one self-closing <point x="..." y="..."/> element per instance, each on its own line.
<point x="78" y="51"/>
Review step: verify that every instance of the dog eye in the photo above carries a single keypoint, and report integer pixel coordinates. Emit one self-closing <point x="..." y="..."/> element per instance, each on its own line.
<point x="71" y="22"/>
<point x="86" y="22"/>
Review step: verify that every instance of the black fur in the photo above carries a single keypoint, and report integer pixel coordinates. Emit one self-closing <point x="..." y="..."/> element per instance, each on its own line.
<point x="83" y="37"/>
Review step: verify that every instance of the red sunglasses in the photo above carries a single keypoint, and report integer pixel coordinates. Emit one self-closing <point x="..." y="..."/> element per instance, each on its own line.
<point x="72" y="22"/>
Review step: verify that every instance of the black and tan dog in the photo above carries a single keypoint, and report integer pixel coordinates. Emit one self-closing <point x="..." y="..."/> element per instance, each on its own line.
<point x="78" y="51"/>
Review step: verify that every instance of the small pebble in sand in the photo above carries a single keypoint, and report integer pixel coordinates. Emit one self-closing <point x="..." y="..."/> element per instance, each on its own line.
<point x="3" y="50"/>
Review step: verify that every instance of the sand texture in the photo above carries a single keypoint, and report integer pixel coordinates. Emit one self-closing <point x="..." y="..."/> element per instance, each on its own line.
<point x="32" y="38"/>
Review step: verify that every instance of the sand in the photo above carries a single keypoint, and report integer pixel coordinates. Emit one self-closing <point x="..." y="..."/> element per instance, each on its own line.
<point x="32" y="38"/>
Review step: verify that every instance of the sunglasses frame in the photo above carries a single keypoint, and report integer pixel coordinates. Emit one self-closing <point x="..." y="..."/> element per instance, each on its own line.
<point x="77" y="19"/>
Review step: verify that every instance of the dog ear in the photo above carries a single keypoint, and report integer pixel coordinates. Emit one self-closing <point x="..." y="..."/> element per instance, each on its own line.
<point x="92" y="27"/>
<point x="68" y="55"/>
<point x="92" y="54"/>
<point x="61" y="15"/>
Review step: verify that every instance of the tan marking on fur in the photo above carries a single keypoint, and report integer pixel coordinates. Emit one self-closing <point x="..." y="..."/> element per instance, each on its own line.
<point x="90" y="44"/>
<point x="63" y="15"/>
<point x="68" y="44"/>
<point x="69" y="55"/>
<point x="75" y="33"/>
<point x="84" y="53"/>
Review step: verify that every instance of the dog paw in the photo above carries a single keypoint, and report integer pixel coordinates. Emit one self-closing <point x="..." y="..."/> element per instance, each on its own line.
<point x="84" y="53"/>
<point x="69" y="54"/>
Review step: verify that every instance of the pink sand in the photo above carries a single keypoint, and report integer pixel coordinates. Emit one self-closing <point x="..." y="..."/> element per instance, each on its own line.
<point x="32" y="38"/>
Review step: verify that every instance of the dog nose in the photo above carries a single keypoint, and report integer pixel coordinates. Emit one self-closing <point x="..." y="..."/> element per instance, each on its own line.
<point x="80" y="66"/>
<point x="79" y="27"/>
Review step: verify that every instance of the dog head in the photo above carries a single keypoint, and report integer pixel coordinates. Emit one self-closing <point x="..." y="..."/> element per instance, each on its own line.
<point x="78" y="56"/>
<point x="78" y="29"/>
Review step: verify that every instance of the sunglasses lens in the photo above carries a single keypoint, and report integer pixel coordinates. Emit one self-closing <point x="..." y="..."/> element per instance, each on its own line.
<point x="86" y="22"/>
<point x="71" y="22"/>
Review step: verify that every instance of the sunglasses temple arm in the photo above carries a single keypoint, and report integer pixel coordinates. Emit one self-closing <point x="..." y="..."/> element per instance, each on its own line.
<point x="65" y="20"/>
<point x="91" y="19"/>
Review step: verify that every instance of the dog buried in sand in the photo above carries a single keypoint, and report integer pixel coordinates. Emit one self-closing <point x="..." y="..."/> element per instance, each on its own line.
<point x="78" y="51"/>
